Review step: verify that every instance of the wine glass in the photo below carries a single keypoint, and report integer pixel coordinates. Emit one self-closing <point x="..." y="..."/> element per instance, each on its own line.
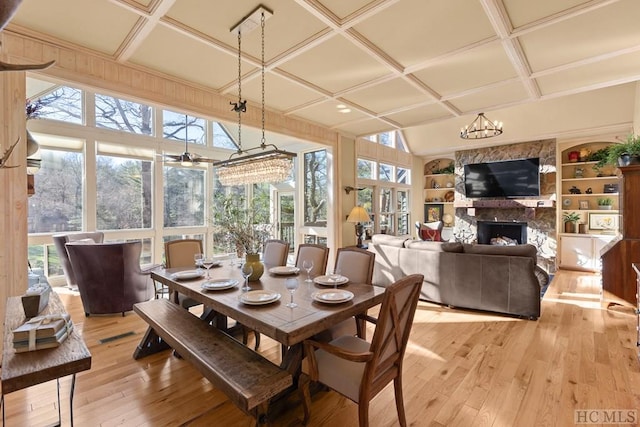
<point x="246" y="270"/>
<point x="334" y="276"/>
<point x="291" y="284"/>
<point x="198" y="260"/>
<point x="232" y="258"/>
<point x="307" y="264"/>
<point x="207" y="262"/>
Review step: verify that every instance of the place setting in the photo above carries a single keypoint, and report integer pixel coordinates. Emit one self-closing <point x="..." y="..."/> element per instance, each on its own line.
<point x="334" y="279"/>
<point x="219" y="284"/>
<point x="332" y="296"/>
<point x="284" y="270"/>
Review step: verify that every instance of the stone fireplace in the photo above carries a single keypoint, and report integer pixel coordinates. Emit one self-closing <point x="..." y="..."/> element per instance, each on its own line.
<point x="491" y="231"/>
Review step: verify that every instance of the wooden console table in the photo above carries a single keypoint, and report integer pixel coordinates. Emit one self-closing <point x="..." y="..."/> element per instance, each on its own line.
<point x="22" y="370"/>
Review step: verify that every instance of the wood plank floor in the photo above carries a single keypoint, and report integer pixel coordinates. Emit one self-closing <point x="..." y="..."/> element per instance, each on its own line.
<point x="462" y="368"/>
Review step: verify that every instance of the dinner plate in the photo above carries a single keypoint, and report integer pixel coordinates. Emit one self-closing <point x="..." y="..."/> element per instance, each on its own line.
<point x="331" y="296"/>
<point x="284" y="270"/>
<point x="219" y="284"/>
<point x="188" y="274"/>
<point x="259" y="297"/>
<point x="326" y="281"/>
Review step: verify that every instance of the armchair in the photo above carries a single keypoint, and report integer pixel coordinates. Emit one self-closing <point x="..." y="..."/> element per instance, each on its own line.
<point x="60" y="240"/>
<point x="109" y="277"/>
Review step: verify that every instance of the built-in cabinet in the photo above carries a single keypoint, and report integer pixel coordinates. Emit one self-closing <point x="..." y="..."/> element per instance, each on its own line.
<point x="582" y="251"/>
<point x="439" y="190"/>
<point x="584" y="187"/>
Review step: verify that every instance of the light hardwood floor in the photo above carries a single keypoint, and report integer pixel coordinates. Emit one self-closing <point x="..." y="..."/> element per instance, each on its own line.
<point x="462" y="368"/>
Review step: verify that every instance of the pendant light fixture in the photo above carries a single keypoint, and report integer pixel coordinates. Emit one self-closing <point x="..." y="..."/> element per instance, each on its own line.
<point x="265" y="163"/>
<point x="481" y="128"/>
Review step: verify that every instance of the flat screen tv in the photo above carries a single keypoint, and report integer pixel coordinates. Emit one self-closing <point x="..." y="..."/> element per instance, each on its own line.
<point x="510" y="179"/>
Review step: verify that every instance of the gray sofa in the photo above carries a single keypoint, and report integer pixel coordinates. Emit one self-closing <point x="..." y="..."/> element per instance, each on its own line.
<point x="501" y="279"/>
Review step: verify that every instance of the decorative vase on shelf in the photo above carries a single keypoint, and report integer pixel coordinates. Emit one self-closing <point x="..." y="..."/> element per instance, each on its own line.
<point x="258" y="266"/>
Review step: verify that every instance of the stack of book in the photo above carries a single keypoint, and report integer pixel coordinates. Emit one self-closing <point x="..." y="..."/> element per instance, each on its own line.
<point x="42" y="332"/>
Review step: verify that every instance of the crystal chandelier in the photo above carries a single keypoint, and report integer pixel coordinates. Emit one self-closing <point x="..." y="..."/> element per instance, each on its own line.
<point x="480" y="128"/>
<point x="253" y="165"/>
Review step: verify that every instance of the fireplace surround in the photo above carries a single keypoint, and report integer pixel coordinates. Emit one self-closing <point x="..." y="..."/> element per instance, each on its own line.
<point x="488" y="230"/>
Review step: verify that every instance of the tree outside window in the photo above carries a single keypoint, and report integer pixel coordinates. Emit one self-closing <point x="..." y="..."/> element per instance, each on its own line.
<point x="127" y="116"/>
<point x="184" y="200"/>
<point x="315" y="188"/>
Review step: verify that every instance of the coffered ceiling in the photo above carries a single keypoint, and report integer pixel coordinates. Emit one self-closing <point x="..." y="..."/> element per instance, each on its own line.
<point x="425" y="67"/>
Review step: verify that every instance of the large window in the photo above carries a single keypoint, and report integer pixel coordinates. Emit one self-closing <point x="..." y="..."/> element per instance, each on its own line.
<point x="315" y="188"/>
<point x="124" y="191"/>
<point x="123" y="115"/>
<point x="184" y="198"/>
<point x="182" y="127"/>
<point x="57" y="204"/>
<point x="366" y="169"/>
<point x="63" y="104"/>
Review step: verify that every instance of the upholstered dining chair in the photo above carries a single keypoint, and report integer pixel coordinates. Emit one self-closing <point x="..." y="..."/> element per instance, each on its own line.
<point x="357" y="265"/>
<point x="60" y="240"/>
<point x="358" y="369"/>
<point x="180" y="253"/>
<point x="109" y="277"/>
<point x="319" y="254"/>
<point x="275" y="252"/>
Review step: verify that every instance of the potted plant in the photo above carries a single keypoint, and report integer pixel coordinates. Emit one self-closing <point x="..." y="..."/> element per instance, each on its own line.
<point x="605" y="203"/>
<point x="622" y="154"/>
<point x="570" y="221"/>
<point x="244" y="226"/>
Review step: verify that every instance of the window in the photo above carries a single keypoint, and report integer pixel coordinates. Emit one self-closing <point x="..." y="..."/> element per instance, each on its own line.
<point x="124" y="191"/>
<point x="221" y="137"/>
<point x="386" y="139"/>
<point x="127" y="116"/>
<point x="63" y="103"/>
<point x="386" y="173"/>
<point x="366" y="169"/>
<point x="57" y="204"/>
<point x="386" y="211"/>
<point x="402" y="210"/>
<point x="403" y="176"/>
<point x="184" y="197"/>
<point x="315" y="188"/>
<point x="179" y="126"/>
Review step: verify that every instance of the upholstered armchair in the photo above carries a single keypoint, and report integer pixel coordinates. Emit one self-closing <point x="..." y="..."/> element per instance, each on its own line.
<point x="60" y="240"/>
<point x="109" y="277"/>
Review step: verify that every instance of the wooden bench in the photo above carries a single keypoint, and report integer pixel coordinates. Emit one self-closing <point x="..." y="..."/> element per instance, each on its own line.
<point x="246" y="377"/>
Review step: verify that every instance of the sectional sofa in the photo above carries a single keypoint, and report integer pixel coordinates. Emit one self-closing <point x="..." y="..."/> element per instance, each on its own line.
<point x="500" y="279"/>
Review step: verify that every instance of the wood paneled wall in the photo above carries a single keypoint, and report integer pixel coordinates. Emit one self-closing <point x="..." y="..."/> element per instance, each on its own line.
<point x="13" y="188"/>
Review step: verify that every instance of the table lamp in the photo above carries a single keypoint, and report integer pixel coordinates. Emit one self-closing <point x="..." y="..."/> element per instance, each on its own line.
<point x="359" y="215"/>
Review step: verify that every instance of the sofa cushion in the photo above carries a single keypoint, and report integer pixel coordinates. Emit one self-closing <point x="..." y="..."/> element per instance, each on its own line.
<point x="434" y="246"/>
<point x="388" y="240"/>
<point x="525" y="250"/>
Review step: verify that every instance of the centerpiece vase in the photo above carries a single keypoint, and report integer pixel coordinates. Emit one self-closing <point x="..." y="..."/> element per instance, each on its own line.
<point x="258" y="266"/>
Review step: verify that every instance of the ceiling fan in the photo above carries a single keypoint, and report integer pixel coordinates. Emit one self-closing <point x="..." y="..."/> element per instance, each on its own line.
<point x="186" y="158"/>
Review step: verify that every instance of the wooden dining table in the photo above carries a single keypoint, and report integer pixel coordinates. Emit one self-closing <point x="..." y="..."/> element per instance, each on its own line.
<point x="288" y="326"/>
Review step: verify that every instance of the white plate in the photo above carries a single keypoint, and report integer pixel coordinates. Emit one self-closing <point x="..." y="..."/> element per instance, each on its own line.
<point x="188" y="274"/>
<point x="259" y="297"/>
<point x="331" y="296"/>
<point x="220" y="284"/>
<point x="326" y="281"/>
<point x="284" y="270"/>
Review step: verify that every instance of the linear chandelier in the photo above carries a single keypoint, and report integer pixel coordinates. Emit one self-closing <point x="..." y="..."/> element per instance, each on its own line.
<point x="258" y="164"/>
<point x="480" y="128"/>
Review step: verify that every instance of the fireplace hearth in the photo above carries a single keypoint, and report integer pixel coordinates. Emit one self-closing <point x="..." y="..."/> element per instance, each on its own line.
<point x="501" y="232"/>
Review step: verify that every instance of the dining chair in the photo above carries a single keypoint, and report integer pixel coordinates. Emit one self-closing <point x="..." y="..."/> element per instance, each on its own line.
<point x="179" y="253"/>
<point x="359" y="369"/>
<point x="357" y="265"/>
<point x="319" y="254"/>
<point x="275" y="252"/>
<point x="109" y="276"/>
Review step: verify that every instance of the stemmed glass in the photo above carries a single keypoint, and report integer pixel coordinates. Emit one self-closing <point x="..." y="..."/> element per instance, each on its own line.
<point x="291" y="284"/>
<point x="247" y="270"/>
<point x="334" y="276"/>
<point x="198" y="260"/>
<point x="207" y="262"/>
<point x="232" y="258"/>
<point x="307" y="264"/>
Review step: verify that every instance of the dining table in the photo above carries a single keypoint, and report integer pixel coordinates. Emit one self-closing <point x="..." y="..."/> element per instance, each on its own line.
<point x="320" y="303"/>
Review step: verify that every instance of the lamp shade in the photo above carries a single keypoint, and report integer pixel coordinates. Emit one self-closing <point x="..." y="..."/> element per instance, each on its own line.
<point x="358" y="214"/>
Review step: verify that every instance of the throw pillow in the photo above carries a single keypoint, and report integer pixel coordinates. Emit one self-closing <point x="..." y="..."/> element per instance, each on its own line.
<point x="430" y="235"/>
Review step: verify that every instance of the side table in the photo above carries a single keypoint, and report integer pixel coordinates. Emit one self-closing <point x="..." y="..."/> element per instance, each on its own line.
<point x="22" y="370"/>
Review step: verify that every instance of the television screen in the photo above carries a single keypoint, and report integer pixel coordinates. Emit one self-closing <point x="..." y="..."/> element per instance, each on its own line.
<point x="511" y="178"/>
